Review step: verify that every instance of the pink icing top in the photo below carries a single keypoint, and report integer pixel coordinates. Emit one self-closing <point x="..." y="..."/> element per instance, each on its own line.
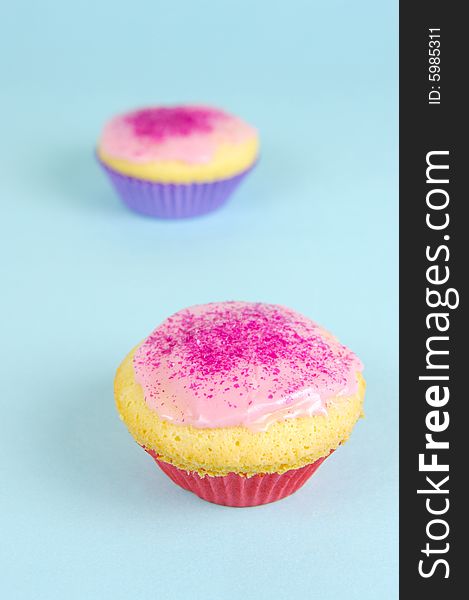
<point x="186" y="133"/>
<point x="242" y="363"/>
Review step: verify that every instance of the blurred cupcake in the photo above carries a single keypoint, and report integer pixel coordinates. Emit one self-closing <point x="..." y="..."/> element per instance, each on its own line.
<point x="240" y="402"/>
<point x="177" y="161"/>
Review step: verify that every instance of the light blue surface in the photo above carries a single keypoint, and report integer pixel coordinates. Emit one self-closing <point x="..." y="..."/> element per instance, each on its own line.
<point x="86" y="514"/>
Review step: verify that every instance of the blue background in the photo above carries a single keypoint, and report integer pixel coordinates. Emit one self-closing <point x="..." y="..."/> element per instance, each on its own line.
<point x="86" y="513"/>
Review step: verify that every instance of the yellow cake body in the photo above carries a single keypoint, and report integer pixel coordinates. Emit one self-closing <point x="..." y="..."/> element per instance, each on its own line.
<point x="229" y="160"/>
<point x="287" y="444"/>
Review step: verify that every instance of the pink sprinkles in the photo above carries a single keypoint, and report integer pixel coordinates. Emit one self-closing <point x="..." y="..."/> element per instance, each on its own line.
<point x="160" y="123"/>
<point x="240" y="363"/>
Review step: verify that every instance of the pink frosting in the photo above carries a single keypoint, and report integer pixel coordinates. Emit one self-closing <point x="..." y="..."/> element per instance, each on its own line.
<point x="190" y="134"/>
<point x="242" y="363"/>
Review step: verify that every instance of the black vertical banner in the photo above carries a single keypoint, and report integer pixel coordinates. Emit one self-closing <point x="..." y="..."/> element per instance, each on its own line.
<point x="434" y="267"/>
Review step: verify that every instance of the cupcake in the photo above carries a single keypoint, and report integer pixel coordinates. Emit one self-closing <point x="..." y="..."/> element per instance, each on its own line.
<point x="240" y="402"/>
<point x="177" y="161"/>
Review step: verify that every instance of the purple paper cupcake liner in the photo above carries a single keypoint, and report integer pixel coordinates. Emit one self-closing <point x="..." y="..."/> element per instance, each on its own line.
<point x="172" y="200"/>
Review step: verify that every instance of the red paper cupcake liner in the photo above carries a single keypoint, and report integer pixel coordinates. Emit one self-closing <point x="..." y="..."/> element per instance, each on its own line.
<point x="238" y="490"/>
